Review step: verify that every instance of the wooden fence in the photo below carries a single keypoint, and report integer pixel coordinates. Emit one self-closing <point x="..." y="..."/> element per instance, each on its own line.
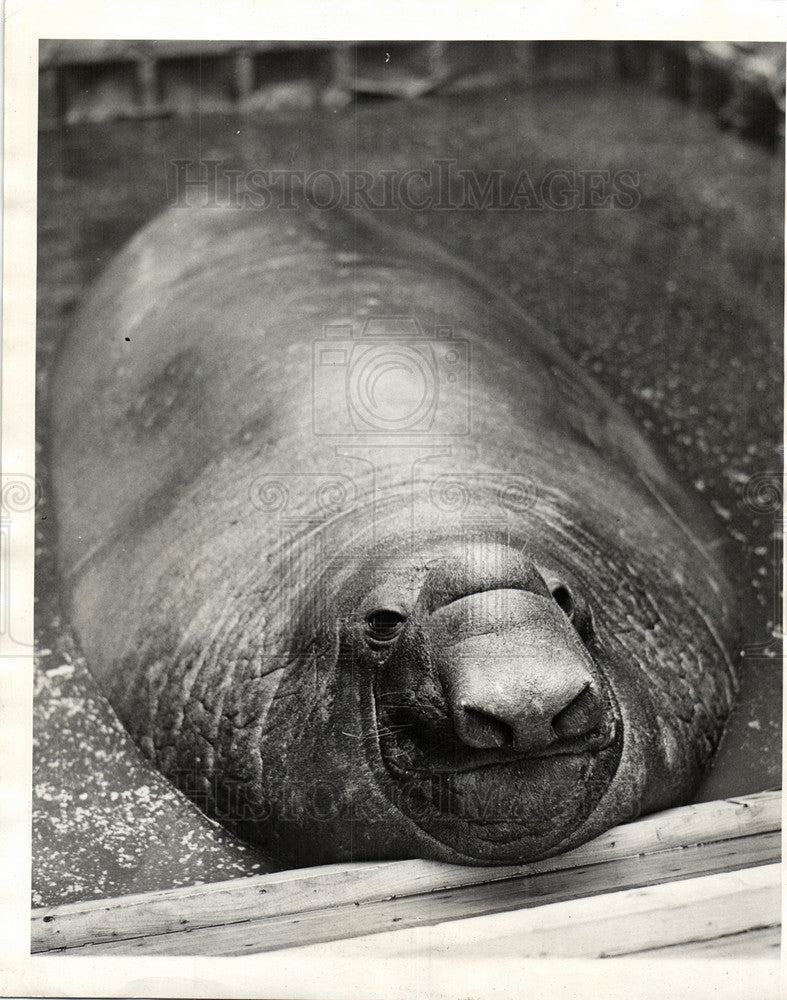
<point x="741" y="84"/>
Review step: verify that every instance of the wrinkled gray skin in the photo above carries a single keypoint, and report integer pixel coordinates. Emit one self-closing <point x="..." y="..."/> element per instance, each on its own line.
<point x="480" y="645"/>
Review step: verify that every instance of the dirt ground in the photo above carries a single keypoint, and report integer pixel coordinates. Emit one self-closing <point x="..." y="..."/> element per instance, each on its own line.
<point x="674" y="304"/>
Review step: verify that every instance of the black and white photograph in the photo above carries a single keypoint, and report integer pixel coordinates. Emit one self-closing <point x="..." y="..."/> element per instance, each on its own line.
<point x="406" y="509"/>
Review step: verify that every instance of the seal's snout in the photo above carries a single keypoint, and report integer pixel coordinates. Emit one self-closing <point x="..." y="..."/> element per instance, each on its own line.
<point x="515" y="673"/>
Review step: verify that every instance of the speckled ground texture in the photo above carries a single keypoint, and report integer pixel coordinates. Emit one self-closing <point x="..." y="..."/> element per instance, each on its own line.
<point x="675" y="306"/>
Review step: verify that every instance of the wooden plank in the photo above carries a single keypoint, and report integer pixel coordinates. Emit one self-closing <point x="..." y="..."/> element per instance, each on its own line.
<point x="290" y="908"/>
<point x="624" y="923"/>
<point x="428" y="909"/>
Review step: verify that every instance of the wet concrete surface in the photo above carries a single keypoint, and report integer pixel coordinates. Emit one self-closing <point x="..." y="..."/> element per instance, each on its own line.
<point x="674" y="305"/>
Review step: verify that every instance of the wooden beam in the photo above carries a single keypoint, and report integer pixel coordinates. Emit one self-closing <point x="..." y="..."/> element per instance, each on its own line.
<point x="332" y="923"/>
<point x="701" y="911"/>
<point x="285" y="909"/>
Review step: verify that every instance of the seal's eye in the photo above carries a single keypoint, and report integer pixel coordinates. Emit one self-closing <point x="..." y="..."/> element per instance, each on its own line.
<point x="564" y="600"/>
<point x="384" y="624"/>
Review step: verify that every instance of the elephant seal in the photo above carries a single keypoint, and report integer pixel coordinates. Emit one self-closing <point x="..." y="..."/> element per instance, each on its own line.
<point x="363" y="561"/>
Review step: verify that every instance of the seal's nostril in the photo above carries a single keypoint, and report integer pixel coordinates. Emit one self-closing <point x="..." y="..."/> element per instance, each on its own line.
<point x="483" y="731"/>
<point x="579" y="717"/>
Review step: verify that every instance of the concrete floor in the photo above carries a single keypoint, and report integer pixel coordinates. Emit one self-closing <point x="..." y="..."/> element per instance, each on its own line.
<point x="675" y="306"/>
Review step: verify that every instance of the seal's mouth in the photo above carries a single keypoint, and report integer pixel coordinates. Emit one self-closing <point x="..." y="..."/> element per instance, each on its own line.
<point x="405" y="758"/>
<point x="409" y="754"/>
